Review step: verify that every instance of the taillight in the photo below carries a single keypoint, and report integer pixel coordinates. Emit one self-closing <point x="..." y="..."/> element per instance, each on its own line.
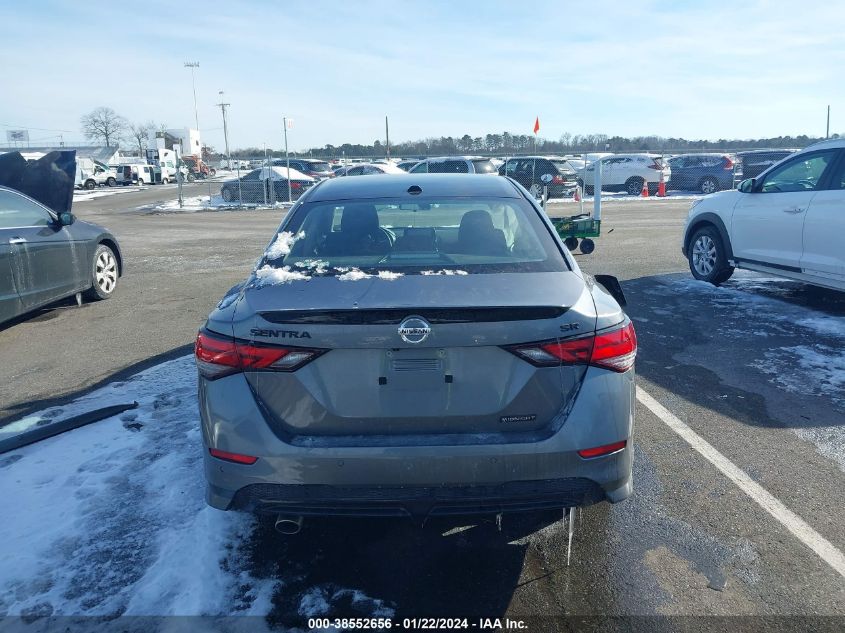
<point x="237" y="458"/>
<point x="600" y="451"/>
<point x="295" y="185"/>
<point x="610" y="349"/>
<point x="219" y="356"/>
<point x="557" y="179"/>
<point x="729" y="164"/>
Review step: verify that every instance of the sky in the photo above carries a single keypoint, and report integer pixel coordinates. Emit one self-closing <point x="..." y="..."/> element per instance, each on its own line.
<point x="698" y="70"/>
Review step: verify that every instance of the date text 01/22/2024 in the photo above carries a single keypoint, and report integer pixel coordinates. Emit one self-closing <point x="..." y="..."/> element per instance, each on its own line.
<point x="417" y="624"/>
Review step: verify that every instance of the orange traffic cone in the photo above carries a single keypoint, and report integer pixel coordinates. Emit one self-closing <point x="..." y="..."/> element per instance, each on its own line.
<point x="644" y="192"/>
<point x="661" y="186"/>
<point x="577" y="195"/>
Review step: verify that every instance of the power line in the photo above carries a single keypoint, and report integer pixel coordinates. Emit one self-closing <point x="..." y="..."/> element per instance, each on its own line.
<point x="40" y="129"/>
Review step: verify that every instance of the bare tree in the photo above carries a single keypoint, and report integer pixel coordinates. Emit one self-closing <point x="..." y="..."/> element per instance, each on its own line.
<point x="140" y="132"/>
<point x="103" y="123"/>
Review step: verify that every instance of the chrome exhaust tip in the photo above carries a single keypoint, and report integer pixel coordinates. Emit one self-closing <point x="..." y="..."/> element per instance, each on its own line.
<point x="288" y="524"/>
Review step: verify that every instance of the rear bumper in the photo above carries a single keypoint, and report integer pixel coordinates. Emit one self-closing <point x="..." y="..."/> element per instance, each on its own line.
<point x="424" y="479"/>
<point x="416" y="501"/>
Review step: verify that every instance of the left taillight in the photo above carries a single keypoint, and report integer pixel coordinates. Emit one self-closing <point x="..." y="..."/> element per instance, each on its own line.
<point x="614" y="349"/>
<point x="219" y="356"/>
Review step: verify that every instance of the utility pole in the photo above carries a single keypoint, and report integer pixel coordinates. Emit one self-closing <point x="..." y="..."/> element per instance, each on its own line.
<point x="193" y="65"/>
<point x="287" y="156"/>
<point x="387" y="136"/>
<point x="223" y="107"/>
<point x="827" y="129"/>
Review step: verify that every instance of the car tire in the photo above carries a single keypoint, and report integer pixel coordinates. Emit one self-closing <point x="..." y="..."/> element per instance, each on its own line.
<point x="536" y="191"/>
<point x="111" y="182"/>
<point x="140" y="182"/>
<point x="104" y="274"/>
<point x="227" y="194"/>
<point x="709" y="185"/>
<point x="90" y="184"/>
<point x="707" y="256"/>
<point x="165" y="181"/>
<point x="634" y="186"/>
<point x="589" y="190"/>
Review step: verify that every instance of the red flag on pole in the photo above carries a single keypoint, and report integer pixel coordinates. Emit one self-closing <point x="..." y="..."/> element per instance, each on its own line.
<point x="536" y="125"/>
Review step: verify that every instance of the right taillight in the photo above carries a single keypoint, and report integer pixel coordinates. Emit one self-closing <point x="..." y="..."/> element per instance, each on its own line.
<point x="219" y="356"/>
<point x="609" y="349"/>
<point x="729" y="164"/>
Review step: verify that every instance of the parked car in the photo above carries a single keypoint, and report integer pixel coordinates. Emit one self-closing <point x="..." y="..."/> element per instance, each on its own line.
<point x="535" y="172"/>
<point x="788" y="221"/>
<point x="406" y="165"/>
<point x="755" y="162"/>
<point x="255" y="186"/>
<point x="137" y="174"/>
<point x="627" y="172"/>
<point x="49" y="254"/>
<point x="91" y="174"/>
<point x="706" y="173"/>
<point x="455" y="165"/>
<point x="317" y="169"/>
<point x="369" y="169"/>
<point x="350" y="375"/>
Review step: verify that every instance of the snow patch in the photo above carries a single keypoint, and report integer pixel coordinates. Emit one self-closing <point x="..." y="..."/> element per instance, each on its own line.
<point x="268" y="275"/>
<point x="130" y="532"/>
<point x="283" y="243"/>
<point x="353" y="275"/>
<point x="388" y="275"/>
<point x="445" y="272"/>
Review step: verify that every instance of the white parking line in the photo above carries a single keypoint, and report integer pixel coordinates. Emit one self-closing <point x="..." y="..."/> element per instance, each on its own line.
<point x="791" y="521"/>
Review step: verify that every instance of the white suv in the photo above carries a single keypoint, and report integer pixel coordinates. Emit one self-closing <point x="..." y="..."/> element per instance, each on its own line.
<point x="789" y="221"/>
<point x="627" y="172"/>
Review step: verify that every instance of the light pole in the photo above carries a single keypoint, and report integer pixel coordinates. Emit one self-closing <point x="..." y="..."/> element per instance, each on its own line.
<point x="193" y="65"/>
<point x="223" y="107"/>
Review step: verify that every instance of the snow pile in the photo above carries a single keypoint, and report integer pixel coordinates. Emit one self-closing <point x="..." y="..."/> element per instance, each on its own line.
<point x="445" y="272"/>
<point x="192" y="204"/>
<point x="110" y="519"/>
<point x="353" y="275"/>
<point x="282" y="244"/>
<point x="321" y="601"/>
<point x="267" y="275"/>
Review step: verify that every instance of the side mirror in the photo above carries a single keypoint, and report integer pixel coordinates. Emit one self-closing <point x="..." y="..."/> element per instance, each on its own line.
<point x="612" y="285"/>
<point x="66" y="219"/>
<point x="747" y="186"/>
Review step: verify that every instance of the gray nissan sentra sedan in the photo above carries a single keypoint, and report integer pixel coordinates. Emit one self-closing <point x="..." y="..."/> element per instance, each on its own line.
<point x="416" y="345"/>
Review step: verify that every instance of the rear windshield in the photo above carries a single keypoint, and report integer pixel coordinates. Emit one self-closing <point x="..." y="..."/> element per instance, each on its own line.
<point x="484" y="167"/>
<point x="562" y="166"/>
<point x="436" y="236"/>
<point x="319" y="166"/>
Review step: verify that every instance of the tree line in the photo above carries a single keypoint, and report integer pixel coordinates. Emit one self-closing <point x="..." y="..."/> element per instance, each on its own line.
<point x="105" y="125"/>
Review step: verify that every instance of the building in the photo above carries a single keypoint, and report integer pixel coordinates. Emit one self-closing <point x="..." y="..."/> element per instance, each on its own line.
<point x="100" y="153"/>
<point x="187" y="139"/>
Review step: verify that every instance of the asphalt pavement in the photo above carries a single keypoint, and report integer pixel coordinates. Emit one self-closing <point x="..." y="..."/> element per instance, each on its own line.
<point x="699" y="537"/>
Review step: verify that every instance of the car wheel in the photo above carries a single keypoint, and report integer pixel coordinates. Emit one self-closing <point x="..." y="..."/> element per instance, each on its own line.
<point x="165" y="181"/>
<point x="634" y="186"/>
<point x="104" y="273"/>
<point x="90" y="184"/>
<point x="536" y="190"/>
<point x="589" y="190"/>
<point x="111" y="182"/>
<point x="709" y="185"/>
<point x="707" y="257"/>
<point x="228" y="194"/>
<point x="571" y="243"/>
<point x="140" y="182"/>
